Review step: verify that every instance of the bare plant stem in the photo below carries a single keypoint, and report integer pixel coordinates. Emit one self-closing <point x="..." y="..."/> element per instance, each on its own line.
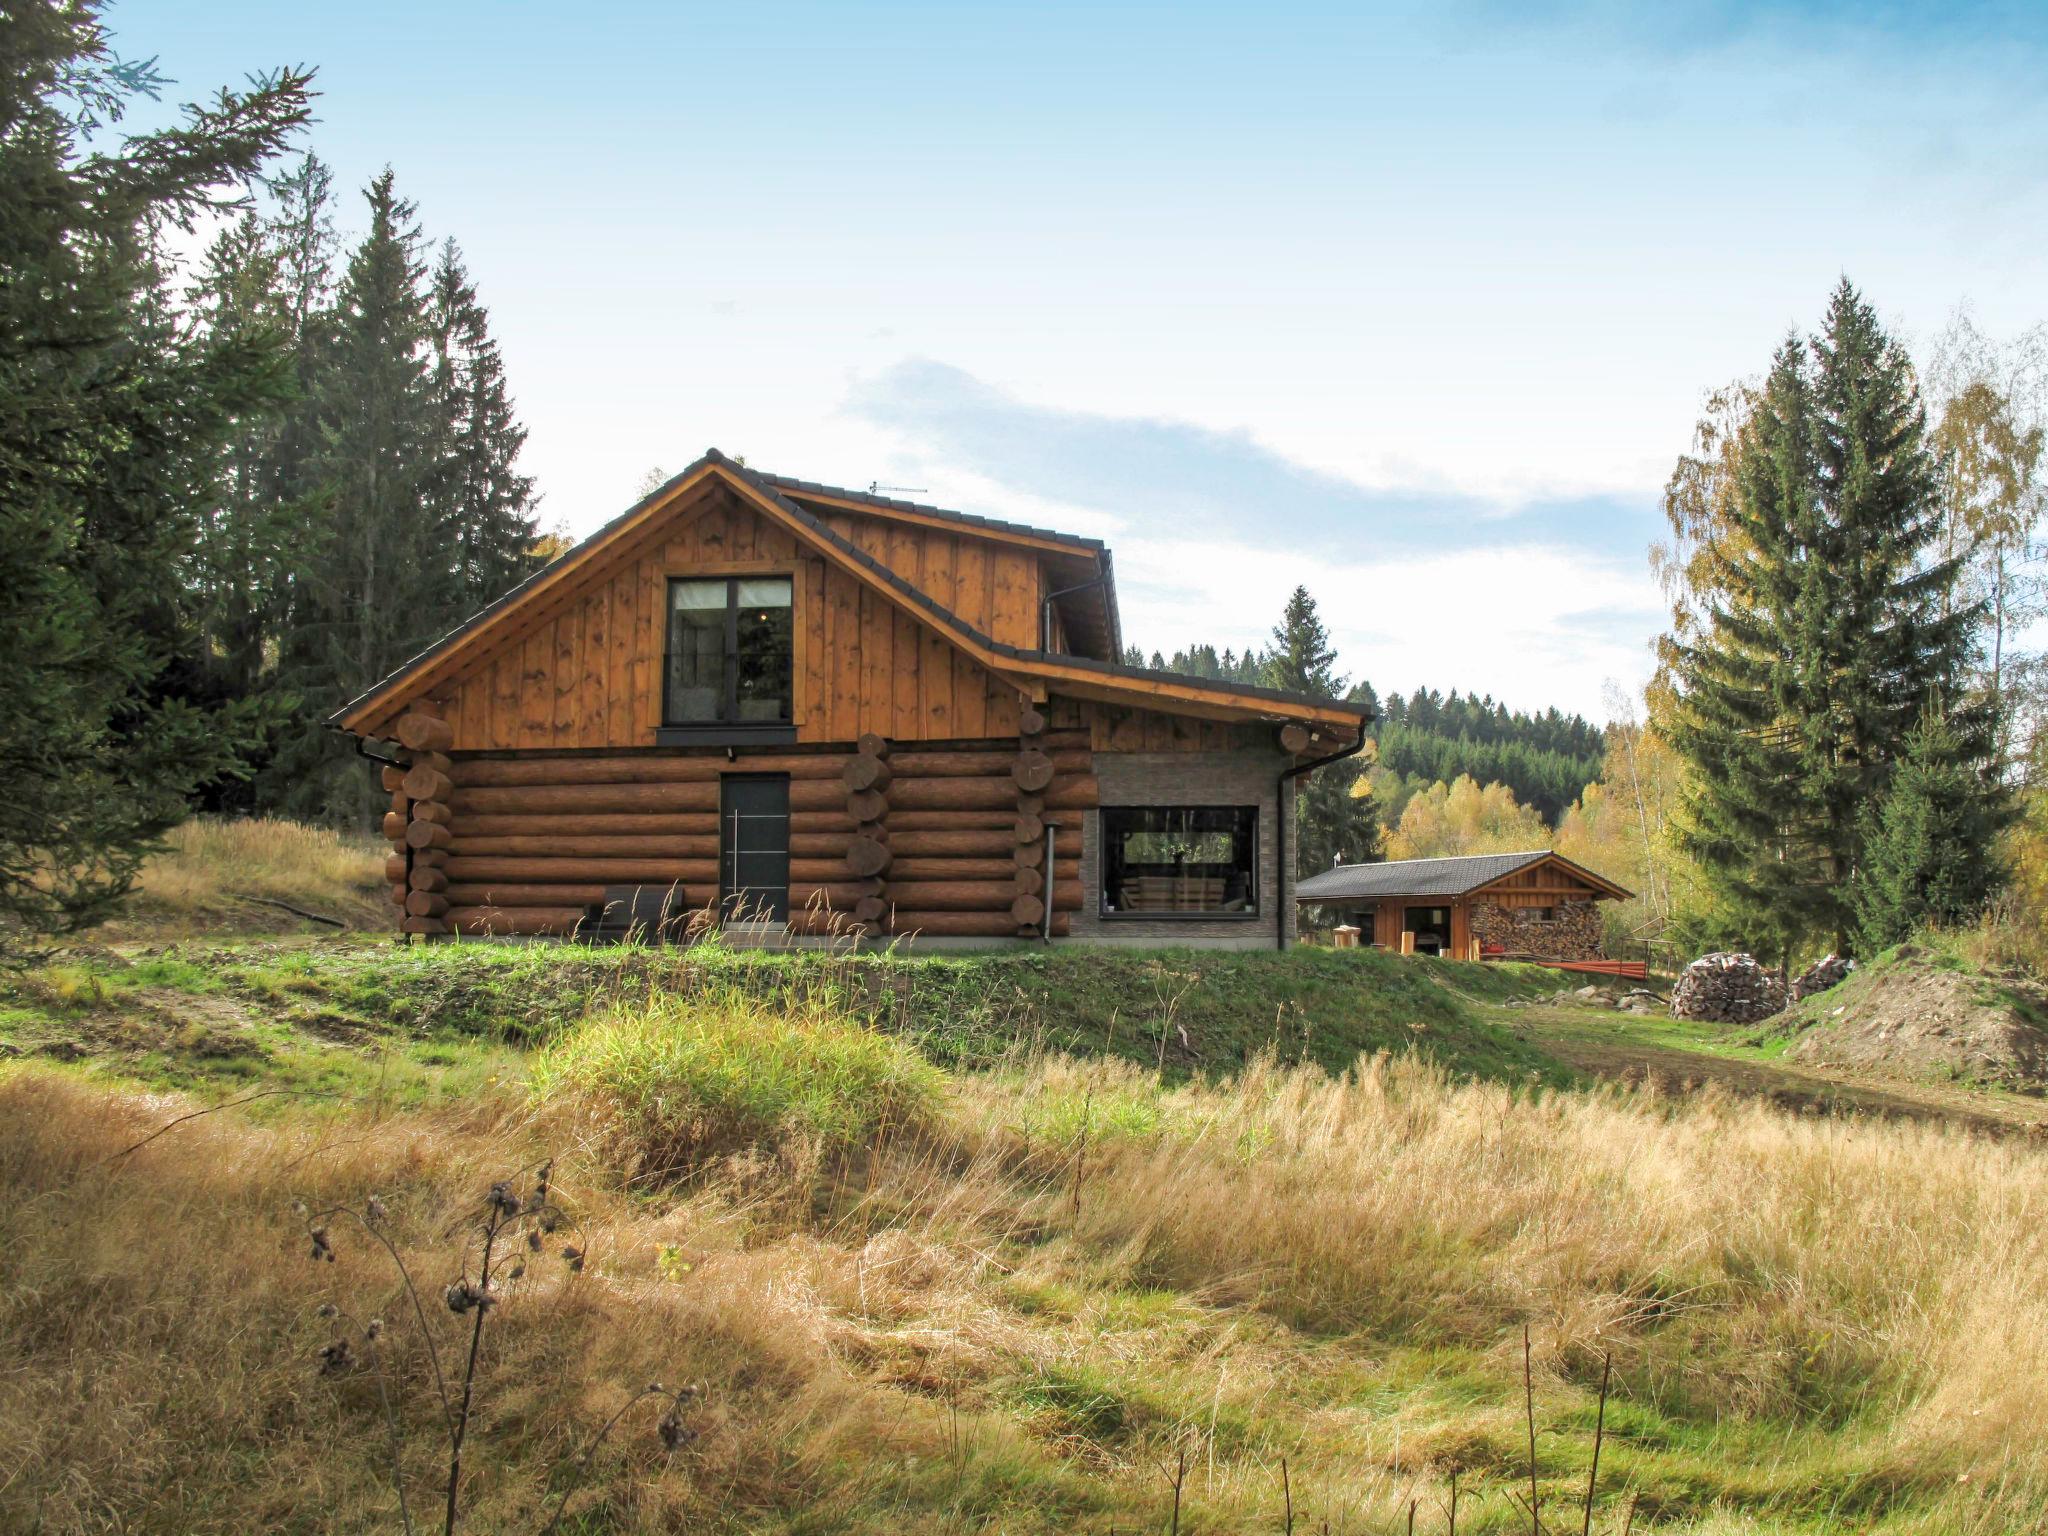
<point x="390" y="1425"/>
<point x="397" y="1462"/>
<point x="1287" y="1495"/>
<point x="460" y="1429"/>
<point x="1599" y="1431"/>
<point x="211" y="1109"/>
<point x="405" y="1275"/>
<point x="1454" y="1502"/>
<point x="583" y="1461"/>
<point x="1529" y="1405"/>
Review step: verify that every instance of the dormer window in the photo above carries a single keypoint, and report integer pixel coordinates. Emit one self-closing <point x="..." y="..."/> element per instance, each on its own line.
<point x="730" y="652"/>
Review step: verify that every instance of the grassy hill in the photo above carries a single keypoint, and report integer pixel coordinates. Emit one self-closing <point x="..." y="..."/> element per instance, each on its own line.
<point x="1010" y="1243"/>
<point x="203" y="1011"/>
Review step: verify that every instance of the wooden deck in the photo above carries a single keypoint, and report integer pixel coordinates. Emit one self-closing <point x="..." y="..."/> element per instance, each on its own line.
<point x="1633" y="970"/>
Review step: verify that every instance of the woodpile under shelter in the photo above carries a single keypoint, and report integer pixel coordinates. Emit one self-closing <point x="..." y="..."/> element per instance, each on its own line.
<point x="1488" y="906"/>
<point x="791" y="710"/>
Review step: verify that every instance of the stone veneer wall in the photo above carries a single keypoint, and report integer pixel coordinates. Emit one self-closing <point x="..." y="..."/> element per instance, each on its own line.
<point x="1190" y="778"/>
<point x="1574" y="934"/>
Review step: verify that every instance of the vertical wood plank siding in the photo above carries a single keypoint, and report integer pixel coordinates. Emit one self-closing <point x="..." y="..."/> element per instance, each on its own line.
<point x="584" y="670"/>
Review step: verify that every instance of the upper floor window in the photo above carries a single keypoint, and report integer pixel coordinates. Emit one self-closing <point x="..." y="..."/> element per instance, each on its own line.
<point x="729" y="652"/>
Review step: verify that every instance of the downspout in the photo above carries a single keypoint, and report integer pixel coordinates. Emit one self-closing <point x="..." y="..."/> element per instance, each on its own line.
<point x="1045" y="609"/>
<point x="1045" y="921"/>
<point x="1280" y="807"/>
<point x="363" y="750"/>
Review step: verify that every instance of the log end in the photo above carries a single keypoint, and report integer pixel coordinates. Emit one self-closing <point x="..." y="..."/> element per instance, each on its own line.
<point x="866" y="856"/>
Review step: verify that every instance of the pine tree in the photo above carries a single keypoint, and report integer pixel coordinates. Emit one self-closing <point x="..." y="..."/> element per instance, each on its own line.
<point x="113" y="414"/>
<point x="1330" y="822"/>
<point x="377" y="585"/>
<point x="1302" y="659"/>
<point x="1928" y="855"/>
<point x="240" y="574"/>
<point x="302" y="239"/>
<point x="1821" y="635"/>
<point x="484" y="506"/>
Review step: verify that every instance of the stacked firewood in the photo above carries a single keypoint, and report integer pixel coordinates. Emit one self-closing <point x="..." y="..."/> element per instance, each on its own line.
<point x="1727" y="989"/>
<point x="1831" y="970"/>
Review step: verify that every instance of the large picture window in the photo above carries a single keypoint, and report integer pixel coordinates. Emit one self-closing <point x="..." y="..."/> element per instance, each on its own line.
<point x="729" y="652"/>
<point x="1180" y="860"/>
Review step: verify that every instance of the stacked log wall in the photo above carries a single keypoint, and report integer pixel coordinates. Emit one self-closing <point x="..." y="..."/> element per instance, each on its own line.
<point x="892" y="839"/>
<point x="417" y="823"/>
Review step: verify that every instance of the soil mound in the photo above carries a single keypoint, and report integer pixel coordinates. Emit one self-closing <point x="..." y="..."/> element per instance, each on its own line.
<point x="1907" y="1018"/>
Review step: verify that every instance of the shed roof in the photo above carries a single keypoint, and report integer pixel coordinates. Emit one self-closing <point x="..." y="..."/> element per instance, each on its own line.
<point x="1457" y="876"/>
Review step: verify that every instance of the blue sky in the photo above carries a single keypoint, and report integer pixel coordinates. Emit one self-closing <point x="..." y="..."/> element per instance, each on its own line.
<point x="1415" y="305"/>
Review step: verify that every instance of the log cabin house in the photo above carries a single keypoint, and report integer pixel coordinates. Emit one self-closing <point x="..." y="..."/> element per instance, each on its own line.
<point x="1491" y="906"/>
<point x="797" y="712"/>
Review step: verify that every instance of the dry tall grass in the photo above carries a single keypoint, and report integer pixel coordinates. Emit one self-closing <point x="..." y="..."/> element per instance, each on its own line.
<point x="1815" y="1325"/>
<point x="227" y="874"/>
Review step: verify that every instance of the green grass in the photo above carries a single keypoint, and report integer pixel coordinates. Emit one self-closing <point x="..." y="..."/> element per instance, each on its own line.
<point x="678" y="1080"/>
<point x="294" y="1009"/>
<point x="220" y="1020"/>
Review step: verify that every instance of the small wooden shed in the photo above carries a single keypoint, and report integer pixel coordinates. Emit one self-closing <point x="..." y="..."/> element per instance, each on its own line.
<point x="1489" y="906"/>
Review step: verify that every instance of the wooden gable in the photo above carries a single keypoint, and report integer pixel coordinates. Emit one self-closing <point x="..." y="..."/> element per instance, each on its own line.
<point x="991" y="585"/>
<point x="916" y="630"/>
<point x="1546" y="883"/>
<point x="583" y="670"/>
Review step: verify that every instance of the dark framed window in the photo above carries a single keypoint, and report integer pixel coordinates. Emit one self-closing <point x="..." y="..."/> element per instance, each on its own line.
<point x="1180" y="861"/>
<point x="730" y="652"/>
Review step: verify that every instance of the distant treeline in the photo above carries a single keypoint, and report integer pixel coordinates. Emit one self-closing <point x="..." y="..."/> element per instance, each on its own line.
<point x="1431" y="736"/>
<point x="1546" y="759"/>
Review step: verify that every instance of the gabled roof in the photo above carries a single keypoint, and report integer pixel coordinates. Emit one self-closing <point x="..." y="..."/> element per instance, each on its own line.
<point x="1137" y="686"/>
<point x="1459" y="876"/>
<point x="1086" y="560"/>
<point x="811" y="490"/>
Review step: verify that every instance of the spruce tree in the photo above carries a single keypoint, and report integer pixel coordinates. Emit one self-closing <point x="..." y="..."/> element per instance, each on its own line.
<point x="1302" y="659"/>
<point x="1821" y="637"/>
<point x="113" y="414"/>
<point x="484" y="506"/>
<point x="1929" y="845"/>
<point x="377" y="585"/>
<point x="1330" y="822"/>
<point x="240" y="571"/>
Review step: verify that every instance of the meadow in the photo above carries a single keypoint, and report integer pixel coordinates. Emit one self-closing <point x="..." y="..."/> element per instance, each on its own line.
<point x="924" y="1246"/>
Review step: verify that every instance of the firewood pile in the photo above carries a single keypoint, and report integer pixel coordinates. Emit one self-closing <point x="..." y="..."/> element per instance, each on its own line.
<point x="1727" y="988"/>
<point x="1828" y="971"/>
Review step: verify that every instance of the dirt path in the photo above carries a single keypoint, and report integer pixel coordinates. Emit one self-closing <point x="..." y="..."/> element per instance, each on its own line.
<point x="1618" y="1047"/>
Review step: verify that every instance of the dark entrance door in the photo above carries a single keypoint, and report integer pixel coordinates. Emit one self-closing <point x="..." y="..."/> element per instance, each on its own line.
<point x="1431" y="927"/>
<point x="753" y="848"/>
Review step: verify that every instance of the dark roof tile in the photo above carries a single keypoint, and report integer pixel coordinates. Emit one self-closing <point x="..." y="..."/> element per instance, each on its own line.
<point x="1414" y="877"/>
